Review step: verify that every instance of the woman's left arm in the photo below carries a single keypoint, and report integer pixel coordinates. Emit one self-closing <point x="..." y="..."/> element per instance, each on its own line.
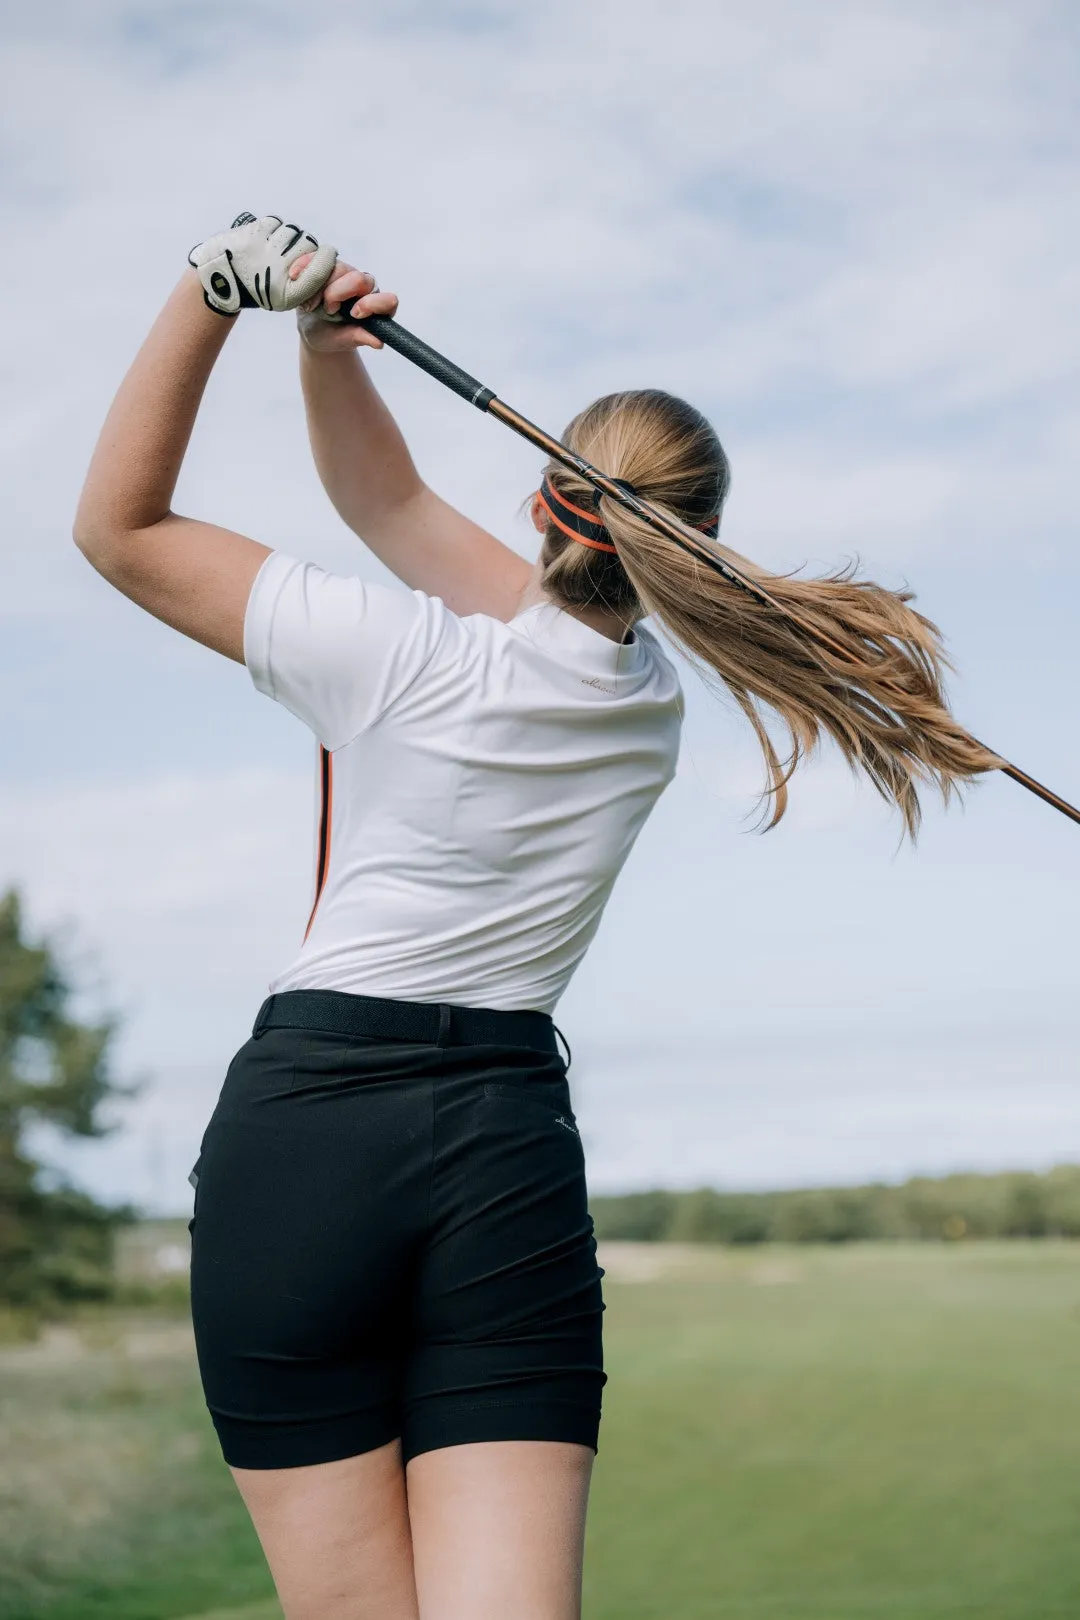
<point x="192" y="575"/>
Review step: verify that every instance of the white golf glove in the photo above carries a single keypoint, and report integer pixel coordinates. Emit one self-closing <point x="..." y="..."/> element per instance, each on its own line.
<point x="247" y="267"/>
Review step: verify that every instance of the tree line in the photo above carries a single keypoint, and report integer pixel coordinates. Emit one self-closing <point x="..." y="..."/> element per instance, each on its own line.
<point x="949" y="1208"/>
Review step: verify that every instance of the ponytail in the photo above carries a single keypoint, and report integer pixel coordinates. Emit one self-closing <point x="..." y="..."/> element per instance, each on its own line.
<point x="883" y="703"/>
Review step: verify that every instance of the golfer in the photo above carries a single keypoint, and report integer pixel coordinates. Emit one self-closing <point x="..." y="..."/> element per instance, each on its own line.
<point x="395" y="1289"/>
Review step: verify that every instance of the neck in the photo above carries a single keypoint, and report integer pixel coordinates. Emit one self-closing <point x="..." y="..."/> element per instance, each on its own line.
<point x="612" y="625"/>
<point x="608" y="624"/>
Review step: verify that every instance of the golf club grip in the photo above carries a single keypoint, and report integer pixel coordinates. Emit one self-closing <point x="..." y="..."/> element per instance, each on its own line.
<point x="428" y="359"/>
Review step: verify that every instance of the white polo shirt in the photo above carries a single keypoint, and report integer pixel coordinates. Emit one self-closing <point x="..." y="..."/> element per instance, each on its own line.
<point x="482" y="783"/>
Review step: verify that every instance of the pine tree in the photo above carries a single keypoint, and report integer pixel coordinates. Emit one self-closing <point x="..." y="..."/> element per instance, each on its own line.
<point x="55" y="1242"/>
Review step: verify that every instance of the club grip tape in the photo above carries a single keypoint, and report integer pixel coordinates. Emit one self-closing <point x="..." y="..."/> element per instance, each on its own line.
<point x="423" y="355"/>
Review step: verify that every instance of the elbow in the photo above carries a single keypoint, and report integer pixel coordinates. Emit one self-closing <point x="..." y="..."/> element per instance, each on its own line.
<point x="83" y="535"/>
<point x="100" y="553"/>
<point x="105" y="549"/>
<point x="101" y="542"/>
<point x="89" y="532"/>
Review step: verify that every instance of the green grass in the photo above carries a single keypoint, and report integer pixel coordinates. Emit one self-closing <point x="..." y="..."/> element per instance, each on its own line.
<point x="250" y="1611"/>
<point x="871" y="1432"/>
<point x="114" y="1504"/>
<point x="875" y="1432"/>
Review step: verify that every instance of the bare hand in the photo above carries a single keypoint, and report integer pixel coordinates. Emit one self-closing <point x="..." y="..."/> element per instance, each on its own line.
<point x="354" y="289"/>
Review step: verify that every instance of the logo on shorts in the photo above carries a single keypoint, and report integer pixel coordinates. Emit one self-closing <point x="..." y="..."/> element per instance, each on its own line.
<point x="561" y="1119"/>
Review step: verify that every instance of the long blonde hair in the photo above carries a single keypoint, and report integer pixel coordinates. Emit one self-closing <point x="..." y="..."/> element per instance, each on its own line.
<point x="883" y="703"/>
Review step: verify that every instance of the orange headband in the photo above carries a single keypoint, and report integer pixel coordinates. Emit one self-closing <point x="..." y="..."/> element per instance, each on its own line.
<point x="579" y="525"/>
<point x="584" y="527"/>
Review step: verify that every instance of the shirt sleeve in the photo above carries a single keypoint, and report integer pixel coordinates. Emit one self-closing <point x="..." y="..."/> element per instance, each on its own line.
<point x="332" y="650"/>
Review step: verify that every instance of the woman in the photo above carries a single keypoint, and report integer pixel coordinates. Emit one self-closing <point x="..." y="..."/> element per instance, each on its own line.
<point x="395" y="1289"/>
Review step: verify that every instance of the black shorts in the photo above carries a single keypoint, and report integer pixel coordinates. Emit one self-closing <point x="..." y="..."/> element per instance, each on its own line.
<point x="391" y="1238"/>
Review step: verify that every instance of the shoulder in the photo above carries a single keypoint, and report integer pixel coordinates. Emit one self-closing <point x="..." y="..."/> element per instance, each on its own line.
<point x="290" y="593"/>
<point x="337" y="651"/>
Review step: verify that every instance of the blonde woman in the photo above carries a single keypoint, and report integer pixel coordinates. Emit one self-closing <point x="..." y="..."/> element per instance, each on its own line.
<point x="395" y="1288"/>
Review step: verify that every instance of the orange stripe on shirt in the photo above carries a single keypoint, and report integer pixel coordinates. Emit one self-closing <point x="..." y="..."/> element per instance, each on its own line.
<point x="326" y="815"/>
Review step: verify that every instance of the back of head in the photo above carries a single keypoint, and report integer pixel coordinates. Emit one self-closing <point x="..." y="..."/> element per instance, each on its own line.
<point x="883" y="702"/>
<point x="671" y="455"/>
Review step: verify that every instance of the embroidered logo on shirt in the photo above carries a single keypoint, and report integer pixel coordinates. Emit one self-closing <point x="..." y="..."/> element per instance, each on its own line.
<point x="590" y="680"/>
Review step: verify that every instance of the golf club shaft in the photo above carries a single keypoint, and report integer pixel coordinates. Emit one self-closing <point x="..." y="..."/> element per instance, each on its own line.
<point x="1047" y="795"/>
<point x="436" y="365"/>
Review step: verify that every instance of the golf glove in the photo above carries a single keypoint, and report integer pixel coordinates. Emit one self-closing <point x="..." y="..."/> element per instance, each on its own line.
<point x="247" y="267"/>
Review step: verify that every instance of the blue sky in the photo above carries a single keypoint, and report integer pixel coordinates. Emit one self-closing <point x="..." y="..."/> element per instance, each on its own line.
<point x="849" y="233"/>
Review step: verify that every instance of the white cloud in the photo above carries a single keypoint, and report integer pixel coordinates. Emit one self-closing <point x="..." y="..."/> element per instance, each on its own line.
<point x="863" y="207"/>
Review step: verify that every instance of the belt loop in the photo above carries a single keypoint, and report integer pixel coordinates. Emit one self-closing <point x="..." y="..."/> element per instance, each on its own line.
<point x="263" y="1018"/>
<point x="566" y="1043"/>
<point x="444" y="1024"/>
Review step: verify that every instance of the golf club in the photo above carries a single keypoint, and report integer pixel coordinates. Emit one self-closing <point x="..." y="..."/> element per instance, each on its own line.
<point x="452" y="376"/>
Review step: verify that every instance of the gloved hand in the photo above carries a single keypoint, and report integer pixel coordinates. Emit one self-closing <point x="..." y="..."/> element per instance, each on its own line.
<point x="247" y="267"/>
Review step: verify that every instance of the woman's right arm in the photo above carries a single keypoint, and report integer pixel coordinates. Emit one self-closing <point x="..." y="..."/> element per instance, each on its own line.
<point x="368" y="473"/>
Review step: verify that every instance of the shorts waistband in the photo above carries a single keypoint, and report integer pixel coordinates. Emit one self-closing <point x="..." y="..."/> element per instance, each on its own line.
<point x="337" y="1012"/>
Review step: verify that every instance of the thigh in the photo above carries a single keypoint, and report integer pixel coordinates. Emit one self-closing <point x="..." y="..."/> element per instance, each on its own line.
<point x="498" y="1529"/>
<point x="336" y="1536"/>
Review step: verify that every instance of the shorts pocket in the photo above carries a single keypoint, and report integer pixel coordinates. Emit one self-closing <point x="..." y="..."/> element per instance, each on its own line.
<point x="552" y="1096"/>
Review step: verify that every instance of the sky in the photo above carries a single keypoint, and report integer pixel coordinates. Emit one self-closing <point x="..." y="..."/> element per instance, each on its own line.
<point x="849" y="234"/>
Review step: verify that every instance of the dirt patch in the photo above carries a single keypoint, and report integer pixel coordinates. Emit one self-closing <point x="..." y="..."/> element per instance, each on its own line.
<point x="64" y="1345"/>
<point x="648" y="1262"/>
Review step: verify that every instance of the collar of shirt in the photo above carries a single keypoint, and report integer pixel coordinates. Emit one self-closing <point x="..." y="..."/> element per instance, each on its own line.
<point x="573" y="642"/>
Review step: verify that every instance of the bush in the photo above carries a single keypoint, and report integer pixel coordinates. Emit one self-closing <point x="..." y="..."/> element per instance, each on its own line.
<point x="634" y="1217"/>
<point x="829" y="1215"/>
<point x="706" y="1216"/>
